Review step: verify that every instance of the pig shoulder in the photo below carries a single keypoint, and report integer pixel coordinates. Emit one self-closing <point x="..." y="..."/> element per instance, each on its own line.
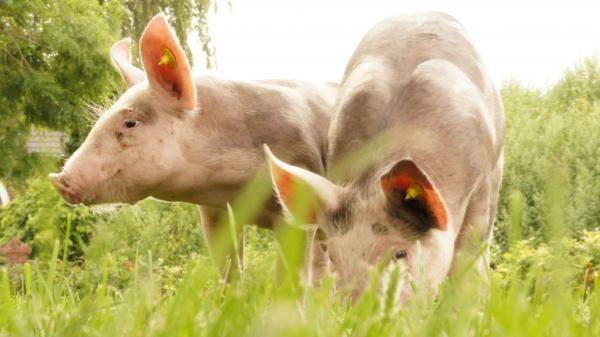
<point x="439" y="96"/>
<point x="445" y="123"/>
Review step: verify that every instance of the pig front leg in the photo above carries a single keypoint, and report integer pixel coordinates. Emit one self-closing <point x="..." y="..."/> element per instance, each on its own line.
<point x="474" y="239"/>
<point x="475" y="236"/>
<point x="220" y="243"/>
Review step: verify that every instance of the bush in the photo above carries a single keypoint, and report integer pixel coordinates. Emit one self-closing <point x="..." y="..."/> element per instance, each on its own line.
<point x="168" y="233"/>
<point x="577" y="256"/>
<point x="39" y="217"/>
<point x="550" y="136"/>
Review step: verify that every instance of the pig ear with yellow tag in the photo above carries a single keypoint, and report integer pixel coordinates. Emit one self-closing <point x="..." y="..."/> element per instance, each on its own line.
<point x="165" y="63"/>
<point x="409" y="190"/>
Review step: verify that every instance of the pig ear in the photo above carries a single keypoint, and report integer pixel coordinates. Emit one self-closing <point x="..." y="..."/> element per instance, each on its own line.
<point x="303" y="194"/>
<point x="166" y="65"/>
<point x="120" y="55"/>
<point x="410" y="191"/>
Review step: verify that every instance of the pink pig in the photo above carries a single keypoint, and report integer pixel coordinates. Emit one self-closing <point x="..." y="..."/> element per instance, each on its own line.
<point x="194" y="139"/>
<point x="415" y="146"/>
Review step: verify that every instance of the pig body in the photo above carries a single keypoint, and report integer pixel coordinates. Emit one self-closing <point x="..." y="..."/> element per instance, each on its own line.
<point x="177" y="137"/>
<point x="419" y="107"/>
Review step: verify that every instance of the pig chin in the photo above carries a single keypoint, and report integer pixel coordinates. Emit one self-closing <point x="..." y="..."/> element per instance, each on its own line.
<point x="110" y="196"/>
<point x="110" y="199"/>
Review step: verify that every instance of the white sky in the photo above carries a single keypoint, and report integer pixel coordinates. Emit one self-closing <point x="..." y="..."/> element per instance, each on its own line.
<point x="531" y="41"/>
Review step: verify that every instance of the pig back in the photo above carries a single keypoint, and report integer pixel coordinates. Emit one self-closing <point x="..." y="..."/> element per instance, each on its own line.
<point x="372" y="96"/>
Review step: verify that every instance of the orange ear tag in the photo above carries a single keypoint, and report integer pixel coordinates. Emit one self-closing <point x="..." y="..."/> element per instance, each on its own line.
<point x="167" y="59"/>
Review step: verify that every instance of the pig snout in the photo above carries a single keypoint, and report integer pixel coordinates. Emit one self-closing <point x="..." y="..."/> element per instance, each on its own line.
<point x="67" y="190"/>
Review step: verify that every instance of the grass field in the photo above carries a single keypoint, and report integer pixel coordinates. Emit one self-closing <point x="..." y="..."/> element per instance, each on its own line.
<point x="144" y="271"/>
<point x="532" y="292"/>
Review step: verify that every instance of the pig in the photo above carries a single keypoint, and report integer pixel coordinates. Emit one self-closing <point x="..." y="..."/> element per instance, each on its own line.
<point x="414" y="159"/>
<point x="197" y="139"/>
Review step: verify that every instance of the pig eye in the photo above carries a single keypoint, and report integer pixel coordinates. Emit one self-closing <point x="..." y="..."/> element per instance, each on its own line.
<point x="401" y="254"/>
<point x="131" y="123"/>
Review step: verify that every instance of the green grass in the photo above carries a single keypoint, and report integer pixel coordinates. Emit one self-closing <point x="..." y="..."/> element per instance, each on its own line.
<point x="532" y="292"/>
<point x="144" y="271"/>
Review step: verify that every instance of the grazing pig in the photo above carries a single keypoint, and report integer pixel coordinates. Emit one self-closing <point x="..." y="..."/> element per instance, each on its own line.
<point x="418" y="107"/>
<point x="194" y="139"/>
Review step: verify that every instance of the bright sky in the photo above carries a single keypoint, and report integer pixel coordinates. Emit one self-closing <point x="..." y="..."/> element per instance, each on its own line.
<point x="531" y="41"/>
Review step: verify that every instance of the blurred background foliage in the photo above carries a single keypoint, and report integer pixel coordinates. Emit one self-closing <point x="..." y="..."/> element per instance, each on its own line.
<point x="553" y="135"/>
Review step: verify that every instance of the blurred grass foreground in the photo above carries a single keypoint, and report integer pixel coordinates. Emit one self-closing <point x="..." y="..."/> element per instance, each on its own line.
<point x="143" y="270"/>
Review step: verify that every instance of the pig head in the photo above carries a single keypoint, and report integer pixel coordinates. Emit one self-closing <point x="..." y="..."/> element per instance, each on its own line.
<point x="135" y="145"/>
<point x="418" y="107"/>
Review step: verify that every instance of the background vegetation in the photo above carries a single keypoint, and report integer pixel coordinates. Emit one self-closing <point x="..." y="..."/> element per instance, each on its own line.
<point x="552" y="139"/>
<point x="143" y="270"/>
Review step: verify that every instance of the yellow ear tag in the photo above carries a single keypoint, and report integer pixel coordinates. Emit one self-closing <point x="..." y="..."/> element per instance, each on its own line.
<point x="413" y="191"/>
<point x="167" y="59"/>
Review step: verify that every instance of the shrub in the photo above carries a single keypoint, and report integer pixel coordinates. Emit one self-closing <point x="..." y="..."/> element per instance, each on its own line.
<point x="39" y="217"/>
<point x="550" y="132"/>
<point x="168" y="233"/>
<point x="577" y="257"/>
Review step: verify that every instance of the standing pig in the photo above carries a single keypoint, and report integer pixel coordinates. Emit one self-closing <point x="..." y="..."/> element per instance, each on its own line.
<point x="194" y="139"/>
<point x="418" y="107"/>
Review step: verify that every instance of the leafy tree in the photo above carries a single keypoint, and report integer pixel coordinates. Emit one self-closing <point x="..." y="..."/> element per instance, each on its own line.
<point x="579" y="88"/>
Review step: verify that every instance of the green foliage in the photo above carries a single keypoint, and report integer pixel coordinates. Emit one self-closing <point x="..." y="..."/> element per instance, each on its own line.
<point x="43" y="301"/>
<point x="526" y="257"/>
<point x="30" y="165"/>
<point x="170" y="231"/>
<point x="50" y="64"/>
<point x="554" y="135"/>
<point x="578" y="88"/>
<point x="38" y="216"/>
